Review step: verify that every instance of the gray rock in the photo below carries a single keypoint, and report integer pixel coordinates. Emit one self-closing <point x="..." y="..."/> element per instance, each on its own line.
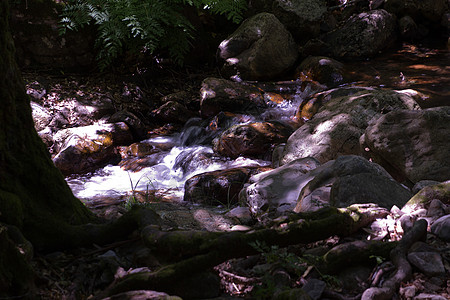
<point x="224" y="95"/>
<point x="41" y="116"/>
<point x="431" y="10"/>
<point x="323" y="69"/>
<point x="301" y="17"/>
<point x="362" y="35"/>
<point x="261" y="48"/>
<point x="278" y="188"/>
<point x="341" y="121"/>
<point x="430" y="263"/>
<point x="314" y="288"/>
<point x="425" y="296"/>
<point x="413" y="142"/>
<point x="331" y="172"/>
<point x="421" y="184"/>
<point x="441" y="228"/>
<point x="368" y="188"/>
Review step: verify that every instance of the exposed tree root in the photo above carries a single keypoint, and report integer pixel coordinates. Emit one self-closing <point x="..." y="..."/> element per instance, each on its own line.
<point x="204" y="250"/>
<point x="403" y="268"/>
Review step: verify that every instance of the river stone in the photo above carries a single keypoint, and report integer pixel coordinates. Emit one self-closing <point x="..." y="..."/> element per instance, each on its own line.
<point x="173" y="111"/>
<point x="220" y="95"/>
<point x="41" y="116"/>
<point x="429" y="263"/>
<point x="278" y="189"/>
<point x="301" y="17"/>
<point x="430" y="10"/>
<point x="84" y="149"/>
<point x="337" y="127"/>
<point x="426" y="196"/>
<point x="363" y="35"/>
<point x="322" y="69"/>
<point x="254" y="139"/>
<point x="368" y="188"/>
<point x="329" y="173"/>
<point x="261" y="48"/>
<point x="216" y="187"/>
<point x="441" y="228"/>
<point x="413" y="142"/>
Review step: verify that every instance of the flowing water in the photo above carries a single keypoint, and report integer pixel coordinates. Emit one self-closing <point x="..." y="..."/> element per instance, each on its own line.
<point x="190" y="152"/>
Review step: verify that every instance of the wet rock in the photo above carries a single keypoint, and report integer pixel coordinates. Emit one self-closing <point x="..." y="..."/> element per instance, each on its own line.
<point x="136" y="125"/>
<point x="363" y="35"/>
<point x="242" y="214"/>
<point x="141" y="149"/>
<point x="441" y="228"/>
<point x="254" y="139"/>
<point x="409" y="30"/>
<point x="84" y="149"/>
<point x="419" y="10"/>
<point x="217" y="187"/>
<point x="173" y="111"/>
<point x="429" y="263"/>
<point x="425" y="296"/>
<point x="261" y="48"/>
<point x="322" y="69"/>
<point x="278" y="189"/>
<point x="341" y="170"/>
<point x="301" y="17"/>
<point x="368" y="188"/>
<point x="413" y="142"/>
<point x="337" y="127"/>
<point x="224" y="95"/>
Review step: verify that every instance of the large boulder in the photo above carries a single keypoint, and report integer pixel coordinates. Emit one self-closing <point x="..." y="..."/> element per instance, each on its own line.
<point x="415" y="143"/>
<point x="216" y="187"/>
<point x="419" y="10"/>
<point x="277" y="190"/>
<point x="322" y="69"/>
<point x="337" y="127"/>
<point x="84" y="149"/>
<point x="224" y="95"/>
<point x="351" y="180"/>
<point x="362" y="35"/>
<point x="253" y="139"/>
<point x="301" y="17"/>
<point x="261" y="48"/>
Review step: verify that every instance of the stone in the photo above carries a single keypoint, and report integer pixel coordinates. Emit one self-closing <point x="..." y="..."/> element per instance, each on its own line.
<point x="409" y="30"/>
<point x="260" y="49"/>
<point x="254" y="139"/>
<point x="297" y="294"/>
<point x="423" y="199"/>
<point x="421" y="184"/>
<point x="429" y="263"/>
<point x="173" y="111"/>
<point x="413" y="142"/>
<point x="220" y="95"/>
<point x="301" y="17"/>
<point x="278" y="189"/>
<point x="368" y="188"/>
<point x="314" y="288"/>
<point x="216" y="187"/>
<point x="430" y="10"/>
<point x="142" y="295"/>
<point x="333" y="171"/>
<point x="84" y="149"/>
<point x="362" y="35"/>
<point x="41" y="116"/>
<point x="322" y="69"/>
<point x="441" y="228"/>
<point x="425" y="296"/>
<point x="338" y="125"/>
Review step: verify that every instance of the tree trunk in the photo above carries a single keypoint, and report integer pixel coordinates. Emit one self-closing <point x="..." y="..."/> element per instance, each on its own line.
<point x="33" y="194"/>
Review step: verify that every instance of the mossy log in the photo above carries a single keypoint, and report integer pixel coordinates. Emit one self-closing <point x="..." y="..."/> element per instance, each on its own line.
<point x="202" y="250"/>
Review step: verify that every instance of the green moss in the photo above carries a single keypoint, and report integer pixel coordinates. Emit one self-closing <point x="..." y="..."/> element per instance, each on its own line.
<point x="11" y="210"/>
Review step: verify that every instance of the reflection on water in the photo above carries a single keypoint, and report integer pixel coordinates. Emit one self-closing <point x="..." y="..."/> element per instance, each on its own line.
<point x="412" y="67"/>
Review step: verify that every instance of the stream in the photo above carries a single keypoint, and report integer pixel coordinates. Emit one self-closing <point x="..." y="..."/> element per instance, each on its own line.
<point x="189" y="152"/>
